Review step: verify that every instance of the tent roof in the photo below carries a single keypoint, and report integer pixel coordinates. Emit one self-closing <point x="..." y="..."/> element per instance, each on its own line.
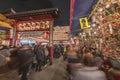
<point x="6" y="25"/>
<point x="4" y="28"/>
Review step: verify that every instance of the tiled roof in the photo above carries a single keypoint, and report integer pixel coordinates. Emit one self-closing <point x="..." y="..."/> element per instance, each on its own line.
<point x="44" y="13"/>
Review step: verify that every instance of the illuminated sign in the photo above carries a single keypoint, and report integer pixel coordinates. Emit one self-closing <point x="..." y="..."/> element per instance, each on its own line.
<point x="61" y="33"/>
<point x="40" y="36"/>
<point x="33" y="25"/>
<point x="32" y="34"/>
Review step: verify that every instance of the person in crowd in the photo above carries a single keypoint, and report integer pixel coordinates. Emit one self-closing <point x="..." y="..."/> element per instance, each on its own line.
<point x="99" y="63"/>
<point x="85" y="49"/>
<point x="75" y="63"/>
<point x="49" y="57"/>
<point x="40" y="57"/>
<point x="89" y="71"/>
<point x="4" y="55"/>
<point x="57" y="51"/>
<point x="113" y="71"/>
<point x="114" y="74"/>
<point x="46" y="53"/>
<point x="5" y="59"/>
<point x="71" y="58"/>
<point x="62" y="49"/>
<point x="97" y="53"/>
<point x="34" y="62"/>
<point x="65" y="51"/>
<point x="79" y="52"/>
<point x="71" y="54"/>
<point x="25" y="54"/>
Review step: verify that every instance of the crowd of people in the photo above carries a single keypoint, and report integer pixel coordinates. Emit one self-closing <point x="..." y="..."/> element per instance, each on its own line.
<point x="83" y="62"/>
<point x="89" y="63"/>
<point x="26" y="57"/>
<point x="33" y="58"/>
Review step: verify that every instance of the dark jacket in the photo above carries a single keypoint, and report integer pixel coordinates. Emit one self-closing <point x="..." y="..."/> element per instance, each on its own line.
<point x="25" y="55"/>
<point x="40" y="54"/>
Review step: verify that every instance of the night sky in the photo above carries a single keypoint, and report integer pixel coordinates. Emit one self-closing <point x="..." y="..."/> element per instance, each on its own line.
<point x="27" y="5"/>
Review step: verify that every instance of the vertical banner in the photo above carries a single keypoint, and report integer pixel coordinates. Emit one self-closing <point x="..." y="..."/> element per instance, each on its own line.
<point x="83" y="23"/>
<point x="80" y="9"/>
<point x="71" y="11"/>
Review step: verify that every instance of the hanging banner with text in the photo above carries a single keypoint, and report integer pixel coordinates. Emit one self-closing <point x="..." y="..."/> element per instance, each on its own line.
<point x="40" y="36"/>
<point x="61" y="33"/>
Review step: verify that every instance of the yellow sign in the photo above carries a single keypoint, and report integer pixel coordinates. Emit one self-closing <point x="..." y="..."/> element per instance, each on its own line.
<point x="83" y="23"/>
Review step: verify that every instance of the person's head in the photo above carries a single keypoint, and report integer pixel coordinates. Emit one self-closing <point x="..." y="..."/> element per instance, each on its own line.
<point x="44" y="46"/>
<point x="98" y="62"/>
<point x="89" y="60"/>
<point x="26" y="46"/>
<point x="83" y="49"/>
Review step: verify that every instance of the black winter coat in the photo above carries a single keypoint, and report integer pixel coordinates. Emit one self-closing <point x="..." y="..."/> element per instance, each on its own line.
<point x="25" y="55"/>
<point x="40" y="55"/>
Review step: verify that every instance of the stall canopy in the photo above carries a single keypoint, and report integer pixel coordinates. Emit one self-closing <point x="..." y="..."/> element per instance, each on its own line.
<point x="5" y="26"/>
<point x="5" y="23"/>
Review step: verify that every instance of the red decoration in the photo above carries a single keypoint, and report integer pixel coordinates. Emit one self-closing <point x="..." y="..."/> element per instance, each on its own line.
<point x="33" y="25"/>
<point x="51" y="51"/>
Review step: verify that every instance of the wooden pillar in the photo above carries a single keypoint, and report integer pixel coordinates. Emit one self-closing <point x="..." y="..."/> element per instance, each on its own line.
<point x="51" y="42"/>
<point x="14" y="35"/>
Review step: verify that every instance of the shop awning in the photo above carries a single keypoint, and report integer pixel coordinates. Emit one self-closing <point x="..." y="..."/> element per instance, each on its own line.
<point x="5" y="25"/>
<point x="4" y="28"/>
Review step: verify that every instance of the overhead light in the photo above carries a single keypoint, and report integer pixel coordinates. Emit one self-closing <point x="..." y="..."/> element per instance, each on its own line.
<point x="93" y="24"/>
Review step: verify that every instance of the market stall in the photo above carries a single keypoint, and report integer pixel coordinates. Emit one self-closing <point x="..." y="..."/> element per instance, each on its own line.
<point x="5" y="30"/>
<point x="104" y="28"/>
<point x="103" y="32"/>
